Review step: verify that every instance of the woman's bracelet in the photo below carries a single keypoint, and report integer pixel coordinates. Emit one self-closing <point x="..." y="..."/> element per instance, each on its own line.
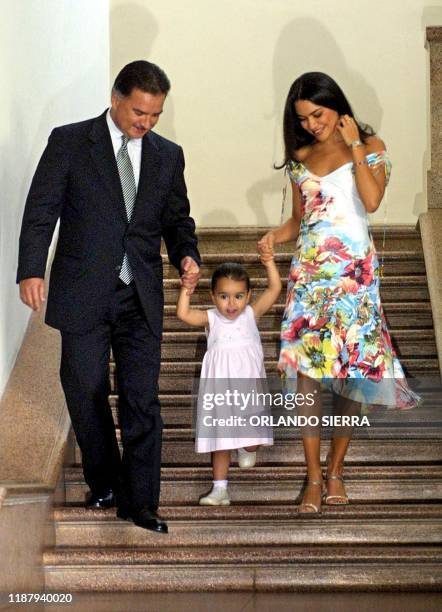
<point x="362" y="162"/>
<point x="356" y="143"/>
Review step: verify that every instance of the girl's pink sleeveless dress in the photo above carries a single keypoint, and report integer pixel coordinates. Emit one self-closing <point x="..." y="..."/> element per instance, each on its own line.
<point x="234" y="354"/>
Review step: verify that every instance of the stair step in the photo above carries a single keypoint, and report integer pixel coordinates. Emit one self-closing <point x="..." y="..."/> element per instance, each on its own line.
<point x="309" y="577"/>
<point x="244" y="554"/>
<point x="192" y="345"/>
<point x="362" y="451"/>
<point x="176" y="439"/>
<point x="410" y="262"/>
<point x="398" y="316"/>
<point x="191" y="337"/>
<point x="288" y="472"/>
<point x="177" y="429"/>
<point x="282" y="485"/>
<point x="429" y="389"/>
<point x="193" y="351"/>
<point x="243" y="239"/>
<point x="260" y="282"/>
<point x="181" y="377"/>
<point x="393" y="288"/>
<point x="287" y="532"/>
<point x="178" y="419"/>
<point x="258" y="512"/>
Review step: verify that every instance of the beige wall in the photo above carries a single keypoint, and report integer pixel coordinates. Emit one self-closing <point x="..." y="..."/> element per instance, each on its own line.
<point x="231" y="63"/>
<point x="54" y="67"/>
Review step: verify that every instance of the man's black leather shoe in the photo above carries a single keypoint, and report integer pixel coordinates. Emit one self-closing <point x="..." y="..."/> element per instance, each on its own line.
<point x="145" y="518"/>
<point x="100" y="500"/>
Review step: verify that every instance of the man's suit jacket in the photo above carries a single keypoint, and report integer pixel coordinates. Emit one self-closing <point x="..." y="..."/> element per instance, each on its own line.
<point x="77" y="182"/>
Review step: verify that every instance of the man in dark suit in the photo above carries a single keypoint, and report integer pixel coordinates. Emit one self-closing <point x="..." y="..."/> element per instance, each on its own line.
<point x="117" y="188"/>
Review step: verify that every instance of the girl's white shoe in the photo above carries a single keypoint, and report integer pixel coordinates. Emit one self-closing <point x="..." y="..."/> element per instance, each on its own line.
<point x="246" y="459"/>
<point x="218" y="496"/>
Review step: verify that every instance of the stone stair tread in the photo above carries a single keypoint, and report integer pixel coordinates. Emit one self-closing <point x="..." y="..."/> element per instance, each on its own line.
<point x="398" y="229"/>
<point x="258" y="511"/>
<point x="182" y="344"/>
<point x="416" y="306"/>
<point x="287" y="472"/>
<point x="182" y="401"/>
<point x="406" y="348"/>
<point x="379" y="430"/>
<point x="244" y="554"/>
<point x="244" y="238"/>
<point x="297" y="531"/>
<point x="394" y="262"/>
<point x="236" y="231"/>
<point x="261" y="281"/>
<point x="290" y="491"/>
<point x="283" y="484"/>
<point x="287" y="254"/>
<point x="191" y="336"/>
<point x="261" y="578"/>
<point x="184" y="433"/>
<point x="362" y="451"/>
<point x="429" y="434"/>
<point x="406" y="292"/>
<point x="173" y="432"/>
<point x="268" y="364"/>
<point x="430" y="408"/>
<point x="178" y="425"/>
<point x="399" y="315"/>
<point x="189" y="366"/>
<point x="178" y="376"/>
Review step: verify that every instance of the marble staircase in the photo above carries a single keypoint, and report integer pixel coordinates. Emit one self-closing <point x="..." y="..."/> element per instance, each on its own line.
<point x="387" y="539"/>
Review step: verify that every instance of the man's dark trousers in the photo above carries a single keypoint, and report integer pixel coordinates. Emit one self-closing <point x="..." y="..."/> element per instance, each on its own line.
<point x="85" y="379"/>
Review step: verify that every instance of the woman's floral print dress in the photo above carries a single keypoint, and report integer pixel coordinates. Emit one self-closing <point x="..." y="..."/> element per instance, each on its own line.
<point x="333" y="326"/>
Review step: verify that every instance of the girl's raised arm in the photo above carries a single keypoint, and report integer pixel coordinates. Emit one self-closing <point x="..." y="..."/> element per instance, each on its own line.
<point x="271" y="293"/>
<point x="191" y="316"/>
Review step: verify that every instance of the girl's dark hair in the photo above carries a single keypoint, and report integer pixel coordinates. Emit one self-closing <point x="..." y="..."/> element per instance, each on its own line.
<point x="234" y="271"/>
<point x="322" y="90"/>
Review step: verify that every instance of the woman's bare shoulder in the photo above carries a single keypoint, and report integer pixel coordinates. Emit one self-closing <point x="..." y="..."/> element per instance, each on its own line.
<point x="303" y="153"/>
<point x="374" y="144"/>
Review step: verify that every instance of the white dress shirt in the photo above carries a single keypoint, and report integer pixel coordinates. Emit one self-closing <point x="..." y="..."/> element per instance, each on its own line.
<point x="134" y="146"/>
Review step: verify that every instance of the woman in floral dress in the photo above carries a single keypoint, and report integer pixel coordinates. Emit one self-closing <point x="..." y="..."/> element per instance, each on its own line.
<point x="333" y="328"/>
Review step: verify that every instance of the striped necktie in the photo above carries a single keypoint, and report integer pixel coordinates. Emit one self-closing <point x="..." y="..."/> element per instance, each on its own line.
<point x="127" y="179"/>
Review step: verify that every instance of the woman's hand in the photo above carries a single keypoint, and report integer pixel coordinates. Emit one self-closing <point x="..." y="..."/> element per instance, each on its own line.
<point x="265" y="246"/>
<point x="348" y="129"/>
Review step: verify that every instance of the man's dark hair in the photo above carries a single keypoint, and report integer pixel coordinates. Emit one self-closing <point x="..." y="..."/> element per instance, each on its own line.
<point x="141" y="75"/>
<point x="234" y="271"/>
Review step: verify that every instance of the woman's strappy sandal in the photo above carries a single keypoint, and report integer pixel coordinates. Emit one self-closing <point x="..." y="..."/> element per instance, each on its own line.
<point x="312" y="508"/>
<point x="339" y="500"/>
<point x="342" y="500"/>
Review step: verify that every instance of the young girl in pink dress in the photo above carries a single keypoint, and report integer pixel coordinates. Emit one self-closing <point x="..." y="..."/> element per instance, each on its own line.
<point x="234" y="353"/>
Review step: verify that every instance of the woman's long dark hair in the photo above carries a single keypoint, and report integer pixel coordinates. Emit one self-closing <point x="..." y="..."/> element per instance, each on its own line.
<point x="322" y="90"/>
